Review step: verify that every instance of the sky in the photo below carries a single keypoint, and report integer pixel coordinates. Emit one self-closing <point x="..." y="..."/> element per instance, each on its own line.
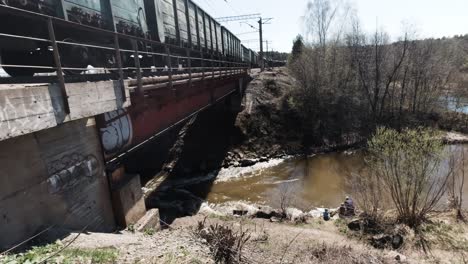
<point x="431" y="18"/>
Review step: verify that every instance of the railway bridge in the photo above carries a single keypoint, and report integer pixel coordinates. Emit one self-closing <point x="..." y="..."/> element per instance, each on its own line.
<point x="63" y="142"/>
<point x="83" y="84"/>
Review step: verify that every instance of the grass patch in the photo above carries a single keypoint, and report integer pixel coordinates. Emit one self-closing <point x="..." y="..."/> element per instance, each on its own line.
<point x="67" y="256"/>
<point x="341" y="225"/>
<point x="445" y="236"/>
<point x="323" y="253"/>
<point x="149" y="231"/>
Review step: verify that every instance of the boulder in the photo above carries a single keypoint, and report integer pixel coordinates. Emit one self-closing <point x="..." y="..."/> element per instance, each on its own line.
<point x="149" y="221"/>
<point x="355" y="225"/>
<point x="247" y="162"/>
<point x="266" y="212"/>
<point x="397" y="241"/>
<point x="384" y="241"/>
<point x="293" y="214"/>
<point x="380" y="241"/>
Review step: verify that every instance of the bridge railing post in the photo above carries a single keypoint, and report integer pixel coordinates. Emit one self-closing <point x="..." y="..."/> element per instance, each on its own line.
<point x="169" y="64"/>
<point x="118" y="58"/>
<point x="226" y="65"/>
<point x="189" y="65"/>
<point x="137" y="66"/>
<point x="202" y="65"/>
<point x="58" y="65"/>
<point x="212" y="67"/>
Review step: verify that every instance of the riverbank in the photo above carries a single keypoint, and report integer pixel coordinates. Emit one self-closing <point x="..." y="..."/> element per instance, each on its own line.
<point x="304" y="237"/>
<point x="268" y="127"/>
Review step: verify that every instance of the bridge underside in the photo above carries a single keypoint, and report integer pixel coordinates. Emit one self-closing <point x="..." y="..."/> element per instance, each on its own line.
<point x="56" y="166"/>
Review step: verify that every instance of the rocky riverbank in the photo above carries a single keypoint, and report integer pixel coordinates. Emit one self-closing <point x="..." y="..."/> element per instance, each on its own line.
<point x="298" y="237"/>
<point x="268" y="128"/>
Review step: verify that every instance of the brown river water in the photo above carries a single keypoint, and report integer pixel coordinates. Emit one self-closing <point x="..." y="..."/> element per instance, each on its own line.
<point x="316" y="181"/>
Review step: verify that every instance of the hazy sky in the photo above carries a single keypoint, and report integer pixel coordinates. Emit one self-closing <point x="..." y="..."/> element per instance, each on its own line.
<point x="432" y="18"/>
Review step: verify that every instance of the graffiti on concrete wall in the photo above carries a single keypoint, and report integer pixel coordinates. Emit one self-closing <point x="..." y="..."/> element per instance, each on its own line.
<point x="117" y="132"/>
<point x="71" y="171"/>
<point x="16" y="118"/>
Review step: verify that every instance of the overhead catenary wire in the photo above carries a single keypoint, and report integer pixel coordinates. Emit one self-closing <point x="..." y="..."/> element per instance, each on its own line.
<point x="26" y="240"/>
<point x="64" y="247"/>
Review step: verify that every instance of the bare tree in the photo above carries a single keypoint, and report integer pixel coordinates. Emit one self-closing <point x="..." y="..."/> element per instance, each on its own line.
<point x="457" y="183"/>
<point x="367" y="190"/>
<point x="324" y="18"/>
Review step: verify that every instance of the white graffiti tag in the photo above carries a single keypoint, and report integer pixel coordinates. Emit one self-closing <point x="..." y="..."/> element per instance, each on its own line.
<point x="117" y="133"/>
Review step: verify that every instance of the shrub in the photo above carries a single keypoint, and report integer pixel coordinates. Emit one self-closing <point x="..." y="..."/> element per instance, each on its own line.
<point x="408" y="167"/>
<point x="225" y="244"/>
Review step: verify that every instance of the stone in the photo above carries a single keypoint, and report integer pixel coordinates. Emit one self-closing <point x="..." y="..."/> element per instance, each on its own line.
<point x="148" y="221"/>
<point x="247" y="162"/>
<point x="355" y="225"/>
<point x="266" y="212"/>
<point x="275" y="220"/>
<point x="396" y="256"/>
<point x="397" y="241"/>
<point x="239" y="212"/>
<point x="293" y="213"/>
<point x="381" y="241"/>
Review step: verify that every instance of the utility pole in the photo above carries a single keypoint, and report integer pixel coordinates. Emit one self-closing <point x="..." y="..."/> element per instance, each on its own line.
<point x="261" y="22"/>
<point x="262" y="62"/>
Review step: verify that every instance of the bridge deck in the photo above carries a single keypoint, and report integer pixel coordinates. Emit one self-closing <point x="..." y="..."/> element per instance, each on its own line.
<point x="29" y="107"/>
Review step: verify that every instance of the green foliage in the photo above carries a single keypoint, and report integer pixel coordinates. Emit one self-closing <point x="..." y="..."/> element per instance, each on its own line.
<point x="131" y="228"/>
<point x="150" y="231"/>
<point x="408" y="165"/>
<point x="68" y="255"/>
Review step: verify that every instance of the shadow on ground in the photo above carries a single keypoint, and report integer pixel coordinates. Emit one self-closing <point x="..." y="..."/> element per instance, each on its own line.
<point x="199" y="148"/>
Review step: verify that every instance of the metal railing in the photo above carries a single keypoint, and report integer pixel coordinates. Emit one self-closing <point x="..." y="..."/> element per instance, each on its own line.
<point x="192" y="68"/>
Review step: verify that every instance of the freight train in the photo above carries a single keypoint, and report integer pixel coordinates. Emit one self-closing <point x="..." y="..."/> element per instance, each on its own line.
<point x="180" y="24"/>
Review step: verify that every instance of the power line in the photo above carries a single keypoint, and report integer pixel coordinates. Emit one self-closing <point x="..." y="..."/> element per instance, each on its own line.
<point x="245" y="33"/>
<point x="238" y="18"/>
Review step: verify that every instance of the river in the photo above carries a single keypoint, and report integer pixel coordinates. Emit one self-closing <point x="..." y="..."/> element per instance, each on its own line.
<point x="316" y="181"/>
<point x="457" y="104"/>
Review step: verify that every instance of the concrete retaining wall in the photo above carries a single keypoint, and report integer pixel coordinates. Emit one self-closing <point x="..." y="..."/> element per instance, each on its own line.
<point x="53" y="177"/>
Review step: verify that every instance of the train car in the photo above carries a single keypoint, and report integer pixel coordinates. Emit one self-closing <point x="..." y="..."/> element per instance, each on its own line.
<point x="245" y="55"/>
<point x="127" y="17"/>
<point x="124" y="16"/>
<point x="180" y="23"/>
<point x="193" y="24"/>
<point x="219" y="43"/>
<point x="169" y="20"/>
<point x="253" y="59"/>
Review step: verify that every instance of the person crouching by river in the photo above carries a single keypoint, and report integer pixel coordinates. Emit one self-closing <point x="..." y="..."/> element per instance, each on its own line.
<point x="326" y="215"/>
<point x="347" y="208"/>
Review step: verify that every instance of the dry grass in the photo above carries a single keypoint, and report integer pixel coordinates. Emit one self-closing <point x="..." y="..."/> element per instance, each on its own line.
<point x="225" y="244"/>
<point x="323" y="253"/>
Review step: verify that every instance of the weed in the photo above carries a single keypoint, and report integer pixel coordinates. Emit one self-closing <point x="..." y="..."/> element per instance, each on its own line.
<point x="131" y="228"/>
<point x="340" y="254"/>
<point x="74" y="255"/>
<point x="225" y="244"/>
<point x="149" y="231"/>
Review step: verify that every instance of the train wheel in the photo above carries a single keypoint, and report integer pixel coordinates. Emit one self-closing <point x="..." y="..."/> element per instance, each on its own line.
<point x="74" y="56"/>
<point x="17" y="58"/>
